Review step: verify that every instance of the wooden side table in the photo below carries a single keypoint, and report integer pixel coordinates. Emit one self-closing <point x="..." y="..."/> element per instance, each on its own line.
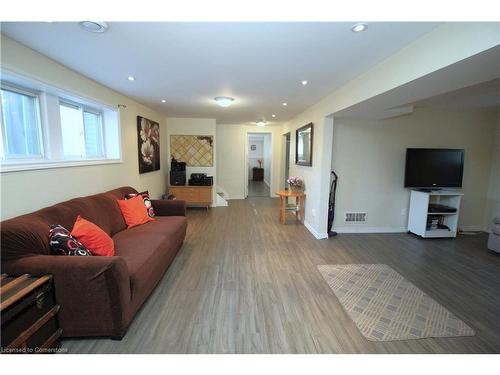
<point x="193" y="195"/>
<point x="298" y="208"/>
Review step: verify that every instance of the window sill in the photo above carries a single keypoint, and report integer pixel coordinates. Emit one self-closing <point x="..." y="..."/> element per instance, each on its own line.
<point x="33" y="165"/>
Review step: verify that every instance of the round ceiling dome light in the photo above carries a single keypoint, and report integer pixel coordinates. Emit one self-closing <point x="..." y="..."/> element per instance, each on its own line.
<point x="224" y="101"/>
<point x="94" y="26"/>
<point x="359" y="27"/>
<point x="261" y="123"/>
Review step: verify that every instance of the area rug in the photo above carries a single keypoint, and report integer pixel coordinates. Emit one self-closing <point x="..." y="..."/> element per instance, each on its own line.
<point x="386" y="307"/>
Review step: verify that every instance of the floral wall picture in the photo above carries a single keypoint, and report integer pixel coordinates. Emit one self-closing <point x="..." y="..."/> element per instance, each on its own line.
<point x="148" y="138"/>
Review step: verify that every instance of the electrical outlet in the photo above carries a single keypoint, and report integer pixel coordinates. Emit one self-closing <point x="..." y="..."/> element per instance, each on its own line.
<point x="403" y="212"/>
<point x="313" y="212"/>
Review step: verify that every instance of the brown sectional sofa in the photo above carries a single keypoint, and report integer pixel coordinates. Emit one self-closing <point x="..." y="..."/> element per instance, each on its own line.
<point x="99" y="296"/>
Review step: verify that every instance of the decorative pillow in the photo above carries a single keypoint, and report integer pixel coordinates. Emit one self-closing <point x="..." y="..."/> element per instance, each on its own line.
<point x="63" y="243"/>
<point x="134" y="212"/>
<point x="147" y="201"/>
<point x="93" y="237"/>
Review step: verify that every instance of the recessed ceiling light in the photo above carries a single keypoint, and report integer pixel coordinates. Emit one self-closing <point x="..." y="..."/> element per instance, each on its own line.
<point x="273" y="116"/>
<point x="284" y="104"/>
<point x="224" y="101"/>
<point x="163" y="101"/>
<point x="304" y="82"/>
<point x="131" y="78"/>
<point x="359" y="27"/>
<point x="94" y="26"/>
<point x="261" y="123"/>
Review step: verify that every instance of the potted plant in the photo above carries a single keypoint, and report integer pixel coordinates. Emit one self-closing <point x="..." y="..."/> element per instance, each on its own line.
<point x="296" y="183"/>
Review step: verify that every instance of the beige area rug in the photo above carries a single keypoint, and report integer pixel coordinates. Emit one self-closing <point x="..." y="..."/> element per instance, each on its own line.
<point x="385" y="306"/>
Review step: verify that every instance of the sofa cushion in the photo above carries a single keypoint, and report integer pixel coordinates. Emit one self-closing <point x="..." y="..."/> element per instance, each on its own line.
<point x="147" y="250"/>
<point x="93" y="237"/>
<point x="63" y="243"/>
<point x="27" y="235"/>
<point x="134" y="211"/>
<point x="146" y="199"/>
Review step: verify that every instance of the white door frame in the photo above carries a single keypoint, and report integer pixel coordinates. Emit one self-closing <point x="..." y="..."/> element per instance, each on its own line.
<point x="271" y="176"/>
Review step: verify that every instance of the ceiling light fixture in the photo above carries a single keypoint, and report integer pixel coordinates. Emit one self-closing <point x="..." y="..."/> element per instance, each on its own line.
<point x="131" y="78"/>
<point x="359" y="27"/>
<point x="224" y="101"/>
<point x="94" y="26"/>
<point x="284" y="104"/>
<point x="304" y="82"/>
<point x="163" y="101"/>
<point x="273" y="116"/>
<point x="261" y="123"/>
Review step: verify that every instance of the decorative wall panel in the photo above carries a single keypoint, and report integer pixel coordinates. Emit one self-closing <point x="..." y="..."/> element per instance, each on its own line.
<point x="194" y="150"/>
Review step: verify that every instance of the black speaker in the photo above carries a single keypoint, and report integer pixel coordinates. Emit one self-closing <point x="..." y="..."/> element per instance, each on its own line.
<point x="177" y="166"/>
<point x="177" y="178"/>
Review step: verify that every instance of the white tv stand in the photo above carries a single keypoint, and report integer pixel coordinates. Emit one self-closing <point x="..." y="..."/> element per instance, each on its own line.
<point x="419" y="213"/>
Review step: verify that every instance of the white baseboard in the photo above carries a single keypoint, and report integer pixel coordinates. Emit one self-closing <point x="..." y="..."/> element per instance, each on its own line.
<point x="473" y="228"/>
<point x="363" y="229"/>
<point x="235" y="197"/>
<point x="318" y="235"/>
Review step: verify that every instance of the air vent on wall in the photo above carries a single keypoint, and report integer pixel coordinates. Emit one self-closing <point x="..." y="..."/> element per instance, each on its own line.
<point x="355" y="217"/>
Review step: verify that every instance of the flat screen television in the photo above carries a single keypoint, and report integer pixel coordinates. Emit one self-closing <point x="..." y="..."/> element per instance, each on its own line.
<point x="434" y="168"/>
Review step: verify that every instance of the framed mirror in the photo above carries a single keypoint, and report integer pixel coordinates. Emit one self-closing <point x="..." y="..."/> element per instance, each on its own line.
<point x="303" y="145"/>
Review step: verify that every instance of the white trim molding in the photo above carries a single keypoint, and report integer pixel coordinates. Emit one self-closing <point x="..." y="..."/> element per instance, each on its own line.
<point x="318" y="235"/>
<point x="371" y="229"/>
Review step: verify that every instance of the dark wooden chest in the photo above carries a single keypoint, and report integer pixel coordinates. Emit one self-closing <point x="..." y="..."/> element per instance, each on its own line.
<point x="28" y="314"/>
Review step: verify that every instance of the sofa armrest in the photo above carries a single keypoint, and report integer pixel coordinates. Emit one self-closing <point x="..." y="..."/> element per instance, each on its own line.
<point x="164" y="207"/>
<point x="93" y="292"/>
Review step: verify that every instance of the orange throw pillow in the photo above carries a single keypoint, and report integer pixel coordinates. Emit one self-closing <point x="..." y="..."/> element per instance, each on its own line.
<point x="134" y="211"/>
<point x="93" y="237"/>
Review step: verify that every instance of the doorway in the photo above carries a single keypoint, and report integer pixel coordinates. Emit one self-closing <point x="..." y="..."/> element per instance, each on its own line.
<point x="287" y="158"/>
<point x="258" y="164"/>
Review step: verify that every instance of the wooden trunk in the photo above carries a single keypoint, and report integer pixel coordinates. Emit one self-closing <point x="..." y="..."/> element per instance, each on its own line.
<point x="28" y="314"/>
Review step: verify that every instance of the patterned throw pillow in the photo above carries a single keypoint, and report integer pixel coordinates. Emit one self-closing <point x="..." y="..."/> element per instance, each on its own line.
<point x="63" y="243"/>
<point x="147" y="201"/>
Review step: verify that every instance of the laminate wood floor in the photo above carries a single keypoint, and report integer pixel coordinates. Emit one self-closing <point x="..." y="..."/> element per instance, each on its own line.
<point x="258" y="189"/>
<point x="243" y="283"/>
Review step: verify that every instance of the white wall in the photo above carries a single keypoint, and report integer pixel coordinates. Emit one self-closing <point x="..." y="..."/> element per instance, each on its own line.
<point x="445" y="45"/>
<point x="23" y="192"/>
<point x="267" y="158"/>
<point x="369" y="157"/>
<point x="195" y="126"/>
<point x="493" y="197"/>
<point x="231" y="149"/>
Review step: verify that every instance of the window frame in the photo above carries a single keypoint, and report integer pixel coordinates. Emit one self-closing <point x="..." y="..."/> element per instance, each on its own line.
<point x="13" y="159"/>
<point x="50" y="135"/>
<point x="85" y="108"/>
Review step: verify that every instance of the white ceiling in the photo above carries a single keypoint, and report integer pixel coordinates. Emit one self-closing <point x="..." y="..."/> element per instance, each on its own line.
<point x="483" y="95"/>
<point x="188" y="64"/>
<point x="468" y="84"/>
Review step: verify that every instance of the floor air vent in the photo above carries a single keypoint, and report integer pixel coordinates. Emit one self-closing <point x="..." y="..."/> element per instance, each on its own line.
<point x="355" y="217"/>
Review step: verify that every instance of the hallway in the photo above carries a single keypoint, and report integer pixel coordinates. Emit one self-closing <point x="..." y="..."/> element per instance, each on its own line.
<point x="258" y="189"/>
